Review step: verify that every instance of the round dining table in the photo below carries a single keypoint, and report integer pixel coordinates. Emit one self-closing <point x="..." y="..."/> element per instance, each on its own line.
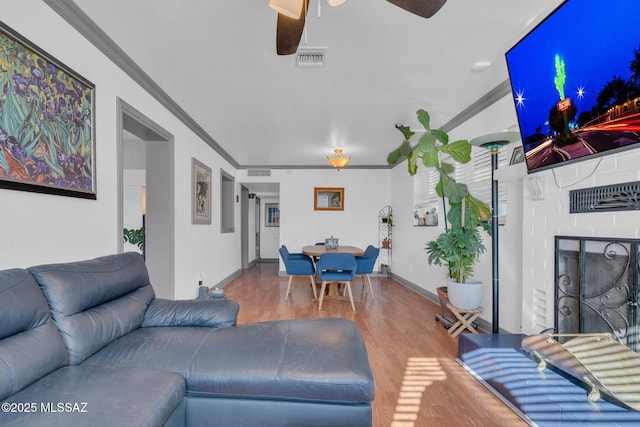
<point x="317" y="250"/>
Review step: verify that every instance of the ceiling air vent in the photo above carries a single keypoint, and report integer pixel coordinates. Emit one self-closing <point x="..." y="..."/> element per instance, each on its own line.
<point x="259" y="172"/>
<point x="310" y="56"/>
<point x="617" y="197"/>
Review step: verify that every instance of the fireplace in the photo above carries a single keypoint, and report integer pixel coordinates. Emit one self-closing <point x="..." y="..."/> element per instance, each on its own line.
<point x="597" y="287"/>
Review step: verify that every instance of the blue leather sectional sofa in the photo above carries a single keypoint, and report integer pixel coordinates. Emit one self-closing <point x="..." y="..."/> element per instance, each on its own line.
<point x="87" y="343"/>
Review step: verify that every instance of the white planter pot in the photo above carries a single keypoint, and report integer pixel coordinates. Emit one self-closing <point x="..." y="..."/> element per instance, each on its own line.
<point x="465" y="295"/>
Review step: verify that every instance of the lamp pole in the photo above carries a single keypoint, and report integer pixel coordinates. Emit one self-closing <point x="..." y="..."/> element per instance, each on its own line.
<point x="495" y="270"/>
<point x="494" y="142"/>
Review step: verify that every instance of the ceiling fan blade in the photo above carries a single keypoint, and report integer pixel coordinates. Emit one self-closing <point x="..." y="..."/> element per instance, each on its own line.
<point x="424" y="8"/>
<point x="289" y="31"/>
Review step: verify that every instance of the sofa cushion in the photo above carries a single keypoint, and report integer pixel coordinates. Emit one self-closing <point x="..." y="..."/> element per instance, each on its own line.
<point x="320" y="360"/>
<point x="96" y="301"/>
<point x="30" y="344"/>
<point x="84" y="396"/>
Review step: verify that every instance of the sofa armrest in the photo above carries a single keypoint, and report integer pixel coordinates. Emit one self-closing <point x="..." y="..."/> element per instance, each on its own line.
<point x="215" y="313"/>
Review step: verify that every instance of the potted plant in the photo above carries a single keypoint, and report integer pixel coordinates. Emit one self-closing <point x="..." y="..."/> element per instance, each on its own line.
<point x="386" y="243"/>
<point x="460" y="245"/>
<point x="388" y="219"/>
<point x="431" y="217"/>
<point x="135" y="236"/>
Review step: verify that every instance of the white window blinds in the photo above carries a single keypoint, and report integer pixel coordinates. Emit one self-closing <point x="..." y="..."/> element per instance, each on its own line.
<point x="476" y="174"/>
<point x="424" y="184"/>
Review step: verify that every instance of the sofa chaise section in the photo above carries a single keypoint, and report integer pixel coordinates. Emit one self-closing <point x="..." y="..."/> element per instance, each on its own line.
<point x="294" y="371"/>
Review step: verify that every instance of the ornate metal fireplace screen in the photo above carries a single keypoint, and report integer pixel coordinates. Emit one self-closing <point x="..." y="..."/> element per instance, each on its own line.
<point x="597" y="287"/>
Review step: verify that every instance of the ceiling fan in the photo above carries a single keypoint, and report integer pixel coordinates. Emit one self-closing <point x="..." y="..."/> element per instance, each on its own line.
<point x="292" y="16"/>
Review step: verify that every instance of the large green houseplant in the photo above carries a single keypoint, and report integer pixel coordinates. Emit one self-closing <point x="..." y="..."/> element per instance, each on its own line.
<point x="460" y="245"/>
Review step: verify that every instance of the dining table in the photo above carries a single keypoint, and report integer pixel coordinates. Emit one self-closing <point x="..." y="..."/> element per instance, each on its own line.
<point x="316" y="251"/>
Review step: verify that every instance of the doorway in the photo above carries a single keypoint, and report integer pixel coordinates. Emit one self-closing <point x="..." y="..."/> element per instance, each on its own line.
<point x="145" y="152"/>
<point x="259" y="241"/>
<point x="257" y="228"/>
<point x="250" y="229"/>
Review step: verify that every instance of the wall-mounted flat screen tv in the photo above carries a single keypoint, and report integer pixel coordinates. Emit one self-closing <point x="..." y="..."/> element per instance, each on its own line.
<point x="576" y="82"/>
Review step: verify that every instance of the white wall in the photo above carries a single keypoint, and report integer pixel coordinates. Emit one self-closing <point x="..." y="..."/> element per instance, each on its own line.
<point x="527" y="240"/>
<point x="40" y="228"/>
<point x="409" y="256"/>
<point x="43" y="228"/>
<point x="546" y="218"/>
<point x="366" y="192"/>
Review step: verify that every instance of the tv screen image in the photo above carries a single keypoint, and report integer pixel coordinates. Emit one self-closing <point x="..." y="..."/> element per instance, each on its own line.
<point x="576" y="82"/>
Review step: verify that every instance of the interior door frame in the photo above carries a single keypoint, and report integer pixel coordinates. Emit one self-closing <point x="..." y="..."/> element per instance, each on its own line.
<point x="161" y="144"/>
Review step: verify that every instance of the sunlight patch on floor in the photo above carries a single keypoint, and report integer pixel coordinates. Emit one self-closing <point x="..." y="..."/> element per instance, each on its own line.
<point x="420" y="373"/>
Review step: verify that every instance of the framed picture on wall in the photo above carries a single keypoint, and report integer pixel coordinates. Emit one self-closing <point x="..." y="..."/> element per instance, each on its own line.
<point x="47" y="138"/>
<point x="328" y="199"/>
<point x="200" y="193"/>
<point x="272" y="215"/>
<point x="517" y="156"/>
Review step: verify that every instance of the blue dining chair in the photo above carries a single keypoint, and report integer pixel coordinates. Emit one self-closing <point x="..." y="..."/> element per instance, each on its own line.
<point x="298" y="264"/>
<point x="365" y="264"/>
<point x="336" y="268"/>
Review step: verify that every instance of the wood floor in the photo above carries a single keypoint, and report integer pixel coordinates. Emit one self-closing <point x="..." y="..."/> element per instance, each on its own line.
<point x="418" y="381"/>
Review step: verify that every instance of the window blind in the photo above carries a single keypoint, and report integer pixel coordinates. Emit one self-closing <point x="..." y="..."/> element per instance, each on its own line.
<point x="476" y="174"/>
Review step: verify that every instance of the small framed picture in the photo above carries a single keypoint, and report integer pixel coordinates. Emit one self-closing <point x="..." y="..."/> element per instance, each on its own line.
<point x="200" y="193"/>
<point x="328" y="199"/>
<point x="272" y="215"/>
<point x="517" y="156"/>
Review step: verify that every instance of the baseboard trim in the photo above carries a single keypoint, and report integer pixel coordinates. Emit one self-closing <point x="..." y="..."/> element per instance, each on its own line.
<point x="224" y="282"/>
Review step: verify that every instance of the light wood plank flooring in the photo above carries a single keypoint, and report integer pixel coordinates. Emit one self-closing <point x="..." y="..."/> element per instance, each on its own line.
<point x="418" y="381"/>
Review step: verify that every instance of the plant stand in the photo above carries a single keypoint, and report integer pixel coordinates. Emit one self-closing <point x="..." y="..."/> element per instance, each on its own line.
<point x="384" y="237"/>
<point x="447" y="318"/>
<point x="465" y="316"/>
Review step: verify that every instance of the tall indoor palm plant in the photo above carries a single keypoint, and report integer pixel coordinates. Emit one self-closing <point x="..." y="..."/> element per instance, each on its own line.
<point x="460" y="245"/>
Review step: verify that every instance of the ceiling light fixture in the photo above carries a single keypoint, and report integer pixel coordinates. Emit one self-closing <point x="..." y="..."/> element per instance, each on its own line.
<point x="337" y="159"/>
<point x="335" y="2"/>
<point x="290" y="8"/>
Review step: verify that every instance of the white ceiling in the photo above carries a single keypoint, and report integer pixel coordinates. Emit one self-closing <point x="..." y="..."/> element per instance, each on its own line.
<point x="217" y="61"/>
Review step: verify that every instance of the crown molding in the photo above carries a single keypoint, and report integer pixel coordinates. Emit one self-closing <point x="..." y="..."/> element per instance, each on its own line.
<point x="79" y="20"/>
<point x="488" y="99"/>
<point x="71" y="13"/>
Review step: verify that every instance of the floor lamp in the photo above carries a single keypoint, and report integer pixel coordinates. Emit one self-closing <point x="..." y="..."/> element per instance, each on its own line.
<point x="494" y="142"/>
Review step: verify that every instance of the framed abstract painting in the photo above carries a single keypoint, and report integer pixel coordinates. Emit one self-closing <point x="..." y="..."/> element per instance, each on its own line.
<point x="47" y="137"/>
<point x="272" y="214"/>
